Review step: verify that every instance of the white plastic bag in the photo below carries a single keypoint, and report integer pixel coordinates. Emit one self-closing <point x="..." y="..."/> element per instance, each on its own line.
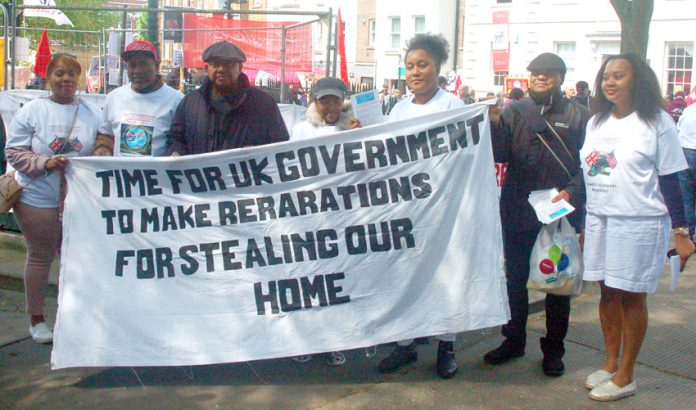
<point x="555" y="265"/>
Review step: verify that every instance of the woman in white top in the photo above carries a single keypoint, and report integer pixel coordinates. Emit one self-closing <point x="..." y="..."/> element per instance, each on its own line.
<point x="42" y="136"/>
<point x="425" y="54"/>
<point x="630" y="162"/>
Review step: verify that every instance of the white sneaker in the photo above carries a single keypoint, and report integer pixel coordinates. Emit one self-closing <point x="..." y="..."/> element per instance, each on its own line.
<point x="41" y="333"/>
<point x="609" y="391"/>
<point x="596" y="378"/>
<point x="302" y="358"/>
<point x="336" y="359"/>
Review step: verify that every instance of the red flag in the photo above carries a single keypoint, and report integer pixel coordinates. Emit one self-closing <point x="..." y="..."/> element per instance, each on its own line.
<point x="341" y="40"/>
<point x="457" y="84"/>
<point x="43" y="56"/>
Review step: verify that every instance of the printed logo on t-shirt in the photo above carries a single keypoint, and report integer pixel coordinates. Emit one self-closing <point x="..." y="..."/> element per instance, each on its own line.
<point x="600" y="162"/>
<point x="65" y="145"/>
<point x="136" y="139"/>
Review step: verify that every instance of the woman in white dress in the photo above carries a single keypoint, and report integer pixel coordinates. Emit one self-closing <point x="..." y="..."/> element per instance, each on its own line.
<point x="630" y="159"/>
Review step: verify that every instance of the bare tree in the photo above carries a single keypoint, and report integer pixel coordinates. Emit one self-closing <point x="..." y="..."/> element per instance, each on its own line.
<point x="635" y="18"/>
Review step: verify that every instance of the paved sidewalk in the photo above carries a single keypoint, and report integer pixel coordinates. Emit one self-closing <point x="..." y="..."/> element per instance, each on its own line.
<point x="666" y="373"/>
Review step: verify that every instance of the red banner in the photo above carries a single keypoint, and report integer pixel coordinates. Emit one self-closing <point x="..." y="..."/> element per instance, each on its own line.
<point x="261" y="41"/>
<point x="501" y="42"/>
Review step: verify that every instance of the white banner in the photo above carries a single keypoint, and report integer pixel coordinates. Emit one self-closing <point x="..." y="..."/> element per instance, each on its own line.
<point x="56" y="15"/>
<point x="354" y="239"/>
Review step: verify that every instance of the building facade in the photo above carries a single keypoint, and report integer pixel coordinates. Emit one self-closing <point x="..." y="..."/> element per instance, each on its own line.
<point x="396" y="22"/>
<point x="501" y="37"/>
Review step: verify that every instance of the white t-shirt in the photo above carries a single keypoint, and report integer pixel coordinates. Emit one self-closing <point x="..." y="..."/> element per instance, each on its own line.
<point x="621" y="160"/>
<point x="441" y="101"/>
<point x="139" y="122"/>
<point x="304" y="130"/>
<point x="687" y="127"/>
<point x="43" y="125"/>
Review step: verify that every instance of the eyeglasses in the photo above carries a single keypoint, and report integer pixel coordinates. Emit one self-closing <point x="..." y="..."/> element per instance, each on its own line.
<point x="222" y="63"/>
<point x="545" y="73"/>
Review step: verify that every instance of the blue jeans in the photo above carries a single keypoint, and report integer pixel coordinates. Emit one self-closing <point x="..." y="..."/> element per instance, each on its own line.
<point x="687" y="181"/>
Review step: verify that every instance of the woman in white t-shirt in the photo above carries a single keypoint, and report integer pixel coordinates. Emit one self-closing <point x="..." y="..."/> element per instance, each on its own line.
<point x="42" y="136"/>
<point x="425" y="54"/>
<point x="630" y="159"/>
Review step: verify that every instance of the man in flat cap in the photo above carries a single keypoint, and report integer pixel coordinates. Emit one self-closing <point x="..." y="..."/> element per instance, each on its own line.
<point x="539" y="137"/>
<point x="137" y="116"/>
<point x="227" y="111"/>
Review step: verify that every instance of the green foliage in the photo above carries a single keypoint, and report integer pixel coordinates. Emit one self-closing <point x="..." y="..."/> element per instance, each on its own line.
<point x="141" y="25"/>
<point x="87" y="20"/>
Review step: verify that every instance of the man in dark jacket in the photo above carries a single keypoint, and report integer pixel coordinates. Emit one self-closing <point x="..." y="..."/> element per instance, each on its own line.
<point x="582" y="96"/>
<point x="517" y="140"/>
<point x="227" y="111"/>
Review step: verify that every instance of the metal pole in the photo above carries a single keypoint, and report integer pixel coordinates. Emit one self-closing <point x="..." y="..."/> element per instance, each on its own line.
<point x="152" y="23"/>
<point x="102" y="58"/>
<point x="4" y="49"/>
<point x="328" y="41"/>
<point x="282" y="66"/>
<point x="124" y="20"/>
<point x="14" y="40"/>
<point x="99" y="53"/>
<point x="335" y="48"/>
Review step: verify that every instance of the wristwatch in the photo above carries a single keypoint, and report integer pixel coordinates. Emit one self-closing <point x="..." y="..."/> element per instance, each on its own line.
<point x="682" y="231"/>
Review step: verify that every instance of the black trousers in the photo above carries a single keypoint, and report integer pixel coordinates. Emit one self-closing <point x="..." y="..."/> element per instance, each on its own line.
<point x="518" y="249"/>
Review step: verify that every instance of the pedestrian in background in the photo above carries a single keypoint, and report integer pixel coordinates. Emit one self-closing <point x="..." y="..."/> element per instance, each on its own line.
<point x="43" y="134"/>
<point x="582" y="96"/>
<point x="687" y="178"/>
<point x="425" y="54"/>
<point x="630" y="161"/>
<point x="676" y="106"/>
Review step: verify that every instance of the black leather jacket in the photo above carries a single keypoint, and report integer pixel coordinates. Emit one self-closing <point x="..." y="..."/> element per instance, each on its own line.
<point x="531" y="166"/>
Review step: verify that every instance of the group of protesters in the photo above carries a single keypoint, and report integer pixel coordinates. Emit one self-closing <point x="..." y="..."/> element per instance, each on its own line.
<point x="625" y="213"/>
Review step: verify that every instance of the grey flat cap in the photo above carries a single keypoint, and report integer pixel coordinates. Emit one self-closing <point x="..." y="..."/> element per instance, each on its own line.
<point x="223" y="50"/>
<point x="547" y="61"/>
<point x="330" y="86"/>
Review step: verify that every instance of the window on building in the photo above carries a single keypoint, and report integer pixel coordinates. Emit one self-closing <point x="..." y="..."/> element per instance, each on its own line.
<point x="499" y="77"/>
<point x="395" y="32"/>
<point x="367" y="83"/>
<point x="566" y="50"/>
<point x="419" y="24"/>
<point x="371" y="25"/>
<point x="680" y="60"/>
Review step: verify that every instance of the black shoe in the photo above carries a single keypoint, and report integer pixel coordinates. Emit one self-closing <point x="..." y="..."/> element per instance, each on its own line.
<point x="503" y="353"/>
<point x="446" y="362"/>
<point x="553" y="366"/>
<point x="400" y="356"/>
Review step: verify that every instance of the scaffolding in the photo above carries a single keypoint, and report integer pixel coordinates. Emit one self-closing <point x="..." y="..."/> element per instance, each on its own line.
<point x="324" y="19"/>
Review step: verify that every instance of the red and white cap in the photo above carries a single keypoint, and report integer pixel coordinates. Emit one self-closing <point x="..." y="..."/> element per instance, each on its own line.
<point x="139" y="46"/>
